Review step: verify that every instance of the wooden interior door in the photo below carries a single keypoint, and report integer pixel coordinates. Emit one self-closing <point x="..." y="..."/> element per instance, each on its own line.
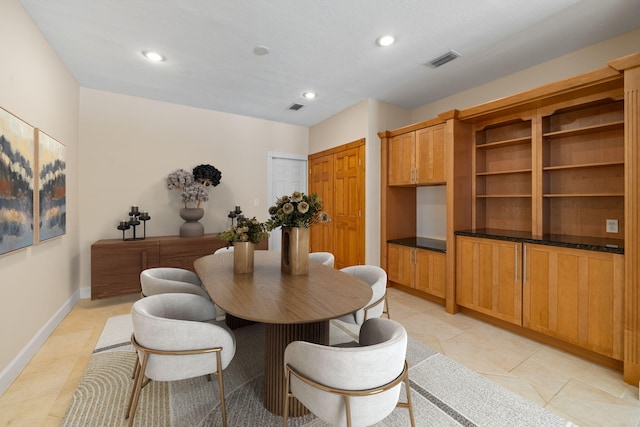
<point x="349" y="207"/>
<point x="337" y="175"/>
<point x="321" y="182"/>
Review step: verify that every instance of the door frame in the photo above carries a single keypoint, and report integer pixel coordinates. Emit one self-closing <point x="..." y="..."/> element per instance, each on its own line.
<point x="271" y="197"/>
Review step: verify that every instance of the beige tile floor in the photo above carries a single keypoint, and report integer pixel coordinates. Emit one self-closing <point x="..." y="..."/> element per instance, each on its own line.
<point x="580" y="391"/>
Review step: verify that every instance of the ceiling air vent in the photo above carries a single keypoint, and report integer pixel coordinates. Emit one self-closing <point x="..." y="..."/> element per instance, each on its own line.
<point x="441" y="60"/>
<point x="296" y="107"/>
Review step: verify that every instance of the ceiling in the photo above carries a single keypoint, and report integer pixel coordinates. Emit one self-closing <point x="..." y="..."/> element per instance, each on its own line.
<point x="327" y="46"/>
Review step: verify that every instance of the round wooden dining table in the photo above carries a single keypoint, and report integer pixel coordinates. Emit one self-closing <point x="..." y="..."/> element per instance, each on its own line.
<point x="293" y="307"/>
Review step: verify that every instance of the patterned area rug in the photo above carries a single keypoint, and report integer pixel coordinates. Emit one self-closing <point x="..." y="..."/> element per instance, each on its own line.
<point x="444" y="392"/>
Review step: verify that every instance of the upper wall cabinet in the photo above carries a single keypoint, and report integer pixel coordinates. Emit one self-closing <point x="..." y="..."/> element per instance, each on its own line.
<point x="418" y="157"/>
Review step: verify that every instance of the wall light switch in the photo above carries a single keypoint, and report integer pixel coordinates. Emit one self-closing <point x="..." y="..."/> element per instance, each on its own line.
<point x="612" y="226"/>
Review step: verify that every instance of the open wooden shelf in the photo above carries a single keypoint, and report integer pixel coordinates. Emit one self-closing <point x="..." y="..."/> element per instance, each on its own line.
<point x="505" y="172"/>
<point x="584" y="195"/>
<point x="505" y="143"/>
<point x="489" y="196"/>
<point x="618" y="125"/>
<point x="586" y="165"/>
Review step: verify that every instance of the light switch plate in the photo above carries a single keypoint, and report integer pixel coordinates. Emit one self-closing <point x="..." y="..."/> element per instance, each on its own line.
<point x="612" y="226"/>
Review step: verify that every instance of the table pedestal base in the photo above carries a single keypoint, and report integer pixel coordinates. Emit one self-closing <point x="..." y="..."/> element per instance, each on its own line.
<point x="277" y="337"/>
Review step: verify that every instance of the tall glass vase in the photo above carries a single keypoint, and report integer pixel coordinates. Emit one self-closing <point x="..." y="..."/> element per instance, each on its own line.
<point x="191" y="227"/>
<point x="243" y="257"/>
<point x="295" y="250"/>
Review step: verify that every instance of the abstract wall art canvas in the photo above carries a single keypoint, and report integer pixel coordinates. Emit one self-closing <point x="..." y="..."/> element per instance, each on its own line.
<point x="17" y="166"/>
<point x="52" y="190"/>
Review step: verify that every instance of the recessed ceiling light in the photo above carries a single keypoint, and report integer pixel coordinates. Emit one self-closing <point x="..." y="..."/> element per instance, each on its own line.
<point x="384" y="41"/>
<point x="309" y="95"/>
<point x="153" y="56"/>
<point x="261" y="50"/>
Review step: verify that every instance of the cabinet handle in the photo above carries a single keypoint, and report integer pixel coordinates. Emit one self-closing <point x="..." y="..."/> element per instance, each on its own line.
<point x="524" y="265"/>
<point x="516" y="262"/>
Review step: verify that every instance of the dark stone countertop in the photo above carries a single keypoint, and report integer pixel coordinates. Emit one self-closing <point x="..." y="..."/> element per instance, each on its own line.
<point x="422" y="243"/>
<point x="576" y="242"/>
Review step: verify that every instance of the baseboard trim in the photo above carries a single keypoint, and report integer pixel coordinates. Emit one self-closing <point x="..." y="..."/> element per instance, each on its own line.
<point x="85" y="292"/>
<point x="11" y="372"/>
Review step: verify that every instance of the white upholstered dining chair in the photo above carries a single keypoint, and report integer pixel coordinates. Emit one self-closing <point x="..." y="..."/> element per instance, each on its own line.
<point x="377" y="306"/>
<point x="325" y="258"/>
<point x="173" y="343"/>
<point x="347" y="386"/>
<point x="162" y="280"/>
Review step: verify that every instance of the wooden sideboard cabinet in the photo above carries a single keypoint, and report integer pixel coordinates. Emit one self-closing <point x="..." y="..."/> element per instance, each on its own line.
<point x="417" y="268"/>
<point x="574" y="295"/>
<point x="116" y="264"/>
<point x="489" y="277"/>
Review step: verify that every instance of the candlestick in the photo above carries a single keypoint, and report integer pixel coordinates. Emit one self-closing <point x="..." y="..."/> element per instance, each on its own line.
<point x="135" y="216"/>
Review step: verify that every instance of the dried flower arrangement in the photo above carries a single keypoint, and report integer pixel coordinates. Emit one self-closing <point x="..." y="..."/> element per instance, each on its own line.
<point x="193" y="184"/>
<point x="297" y="210"/>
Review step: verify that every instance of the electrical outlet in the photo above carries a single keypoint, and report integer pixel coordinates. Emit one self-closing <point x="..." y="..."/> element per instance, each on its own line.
<point x="612" y="226"/>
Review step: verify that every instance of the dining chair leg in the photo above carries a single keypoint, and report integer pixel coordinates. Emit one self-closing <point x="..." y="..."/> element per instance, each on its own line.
<point x="408" y="404"/>
<point x="347" y="407"/>
<point x="223" y="406"/>
<point x="385" y="309"/>
<point x="137" y="388"/>
<point x="136" y="367"/>
<point x="285" y="412"/>
<point x="136" y="371"/>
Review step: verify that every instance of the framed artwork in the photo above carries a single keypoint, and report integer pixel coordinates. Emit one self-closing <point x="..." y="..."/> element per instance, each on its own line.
<point x="17" y="163"/>
<point x="52" y="187"/>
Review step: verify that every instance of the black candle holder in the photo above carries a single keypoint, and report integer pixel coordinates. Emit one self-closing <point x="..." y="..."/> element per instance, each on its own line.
<point x="135" y="217"/>
<point x="236" y="213"/>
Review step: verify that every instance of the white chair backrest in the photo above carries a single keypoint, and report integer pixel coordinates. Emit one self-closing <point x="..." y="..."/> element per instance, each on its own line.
<point x="163" y="280"/>
<point x="177" y="322"/>
<point x="224" y="250"/>
<point x="378" y="361"/>
<point x="325" y="258"/>
<point x="377" y="278"/>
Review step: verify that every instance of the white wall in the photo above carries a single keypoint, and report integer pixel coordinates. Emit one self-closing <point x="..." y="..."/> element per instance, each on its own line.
<point x="38" y="284"/>
<point x="130" y="145"/>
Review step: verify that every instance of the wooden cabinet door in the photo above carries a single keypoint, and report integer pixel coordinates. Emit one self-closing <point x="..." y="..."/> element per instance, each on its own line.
<point x="576" y="296"/>
<point x="430" y="272"/>
<point x="116" y="266"/>
<point x="488" y="277"/>
<point x="321" y="182"/>
<point x="402" y="159"/>
<point x="400" y="267"/>
<point x="430" y="155"/>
